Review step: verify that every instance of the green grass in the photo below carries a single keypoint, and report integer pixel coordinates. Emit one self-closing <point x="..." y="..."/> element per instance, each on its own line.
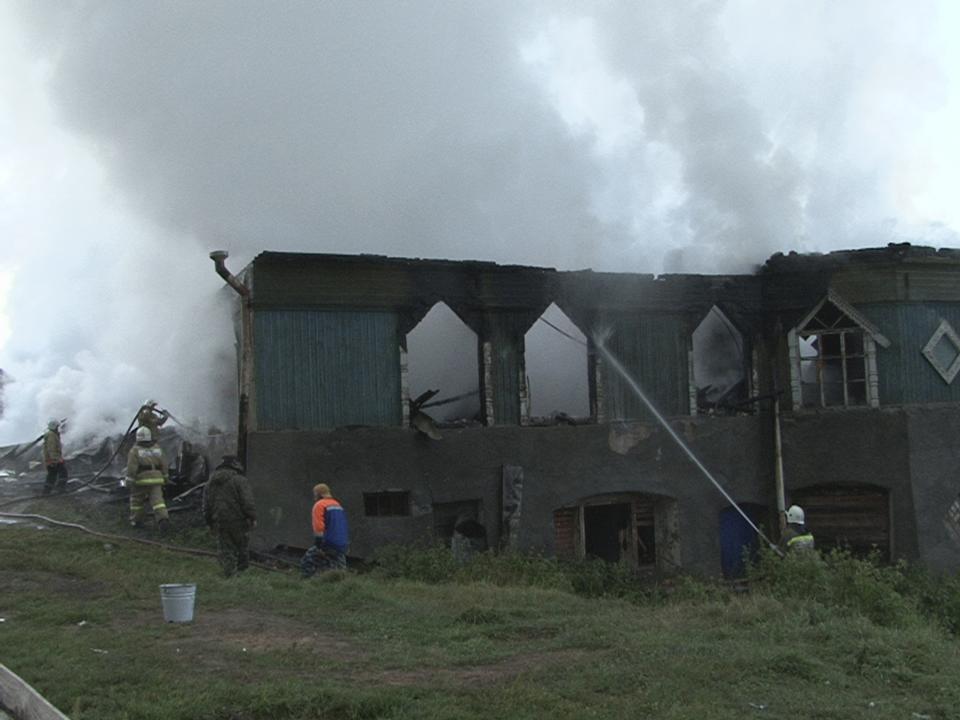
<point x="510" y="637"/>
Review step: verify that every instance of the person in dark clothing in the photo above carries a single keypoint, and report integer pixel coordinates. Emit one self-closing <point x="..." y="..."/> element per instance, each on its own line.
<point x="229" y="512"/>
<point x="53" y="459"/>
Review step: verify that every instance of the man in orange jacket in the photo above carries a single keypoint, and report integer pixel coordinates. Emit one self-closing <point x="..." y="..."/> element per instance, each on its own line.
<point x="330" y="535"/>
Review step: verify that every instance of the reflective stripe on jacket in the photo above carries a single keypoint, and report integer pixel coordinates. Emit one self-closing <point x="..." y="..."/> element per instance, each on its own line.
<point x="801" y="542"/>
<point x="146" y="465"/>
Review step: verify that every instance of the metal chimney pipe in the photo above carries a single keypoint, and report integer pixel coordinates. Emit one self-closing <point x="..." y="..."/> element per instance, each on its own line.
<point x="218" y="257"/>
<point x="246" y="350"/>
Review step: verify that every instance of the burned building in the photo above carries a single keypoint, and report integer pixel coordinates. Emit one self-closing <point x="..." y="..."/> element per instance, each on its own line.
<point x="861" y="347"/>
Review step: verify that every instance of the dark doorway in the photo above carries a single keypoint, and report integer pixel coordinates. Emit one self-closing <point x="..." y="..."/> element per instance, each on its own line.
<point x="737" y="535"/>
<point x="607" y="530"/>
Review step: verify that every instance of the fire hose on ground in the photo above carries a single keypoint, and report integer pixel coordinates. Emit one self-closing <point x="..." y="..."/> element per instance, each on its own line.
<point x="126" y="538"/>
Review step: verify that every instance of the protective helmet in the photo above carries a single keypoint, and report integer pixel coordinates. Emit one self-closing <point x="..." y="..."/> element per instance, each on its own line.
<point x="53" y="424"/>
<point x="795" y="515"/>
<point x="144" y="434"/>
<point x="321" y="490"/>
<point x="149" y="402"/>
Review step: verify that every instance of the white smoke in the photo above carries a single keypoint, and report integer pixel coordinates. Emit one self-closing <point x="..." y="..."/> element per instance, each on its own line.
<point x="697" y="136"/>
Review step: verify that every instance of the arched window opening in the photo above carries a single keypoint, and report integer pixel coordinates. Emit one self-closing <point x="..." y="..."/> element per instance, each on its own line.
<point x="556" y="367"/>
<point x="855" y="517"/>
<point x="719" y="365"/>
<point x="442" y="368"/>
<point x="833" y="357"/>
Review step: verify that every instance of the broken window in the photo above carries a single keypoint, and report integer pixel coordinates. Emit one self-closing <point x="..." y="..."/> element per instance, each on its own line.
<point x="719" y="365"/>
<point x="555" y="356"/>
<point x="638" y="529"/>
<point x="442" y="367"/>
<point x="833" y="357"/>
<point x="386" y="502"/>
<point x="447" y="516"/>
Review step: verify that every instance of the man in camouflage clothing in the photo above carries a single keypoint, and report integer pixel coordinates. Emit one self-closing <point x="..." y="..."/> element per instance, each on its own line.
<point x="230" y="513"/>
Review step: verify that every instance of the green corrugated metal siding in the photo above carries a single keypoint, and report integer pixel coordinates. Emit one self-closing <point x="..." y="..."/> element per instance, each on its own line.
<point x="906" y="376"/>
<point x="321" y="369"/>
<point x="653" y="349"/>
<point x="506" y="382"/>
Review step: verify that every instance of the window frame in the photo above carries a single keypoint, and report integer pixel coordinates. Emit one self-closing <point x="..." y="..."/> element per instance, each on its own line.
<point x="944" y="330"/>
<point x="385" y="502"/>
<point x="849" y="323"/>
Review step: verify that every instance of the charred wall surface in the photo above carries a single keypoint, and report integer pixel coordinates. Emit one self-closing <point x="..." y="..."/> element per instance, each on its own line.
<point x="859" y="345"/>
<point x="561" y="466"/>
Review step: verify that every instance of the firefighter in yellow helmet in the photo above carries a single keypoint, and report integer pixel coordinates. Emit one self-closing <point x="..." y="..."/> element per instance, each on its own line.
<point x="146" y="474"/>
<point x="796" y="537"/>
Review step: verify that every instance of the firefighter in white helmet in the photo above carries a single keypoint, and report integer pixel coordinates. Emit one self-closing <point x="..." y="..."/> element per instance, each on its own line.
<point x="795" y="536"/>
<point x="146" y="474"/>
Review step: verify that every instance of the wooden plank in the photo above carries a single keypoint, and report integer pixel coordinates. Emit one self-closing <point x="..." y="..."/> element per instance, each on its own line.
<point x="23" y="701"/>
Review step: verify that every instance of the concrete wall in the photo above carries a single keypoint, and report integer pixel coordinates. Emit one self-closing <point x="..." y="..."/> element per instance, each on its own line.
<point x="934" y="434"/>
<point x="855" y="446"/>
<point x="562" y="465"/>
<point x="914" y="453"/>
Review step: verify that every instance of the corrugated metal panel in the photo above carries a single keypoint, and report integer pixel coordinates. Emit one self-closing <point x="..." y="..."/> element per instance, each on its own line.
<point x="506" y="383"/>
<point x="906" y="376"/>
<point x="506" y="333"/>
<point x="317" y="369"/>
<point x="653" y="349"/>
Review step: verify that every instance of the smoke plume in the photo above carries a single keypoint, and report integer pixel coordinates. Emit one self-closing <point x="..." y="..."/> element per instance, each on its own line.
<point x="694" y="136"/>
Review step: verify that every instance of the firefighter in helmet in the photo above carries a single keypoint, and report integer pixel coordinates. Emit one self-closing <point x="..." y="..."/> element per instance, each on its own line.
<point x="146" y="474"/>
<point x="796" y="537"/>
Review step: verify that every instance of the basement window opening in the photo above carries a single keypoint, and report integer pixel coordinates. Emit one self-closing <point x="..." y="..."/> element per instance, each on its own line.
<point x="464" y="517"/>
<point x="386" y="503"/>
<point x="443" y="369"/>
<point x="557" y="375"/>
<point x="636" y="529"/>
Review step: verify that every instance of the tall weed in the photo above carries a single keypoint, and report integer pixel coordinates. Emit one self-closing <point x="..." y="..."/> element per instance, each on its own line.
<point x="838" y="579"/>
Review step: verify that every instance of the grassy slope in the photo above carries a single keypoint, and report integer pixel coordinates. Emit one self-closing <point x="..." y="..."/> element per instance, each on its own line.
<point x="268" y="645"/>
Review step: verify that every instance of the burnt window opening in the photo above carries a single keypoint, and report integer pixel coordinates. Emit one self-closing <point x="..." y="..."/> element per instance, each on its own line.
<point x="833" y="358"/>
<point x="443" y="368"/>
<point x="463" y="517"/>
<point x="719" y="374"/>
<point x="386" y="503"/>
<point x="637" y="529"/>
<point x="555" y="358"/>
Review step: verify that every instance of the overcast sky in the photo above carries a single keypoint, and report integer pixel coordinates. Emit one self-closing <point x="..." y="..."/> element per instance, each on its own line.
<point x="657" y="136"/>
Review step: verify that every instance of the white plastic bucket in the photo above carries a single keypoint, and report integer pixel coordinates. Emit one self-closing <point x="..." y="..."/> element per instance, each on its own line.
<point x="177" y="600"/>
